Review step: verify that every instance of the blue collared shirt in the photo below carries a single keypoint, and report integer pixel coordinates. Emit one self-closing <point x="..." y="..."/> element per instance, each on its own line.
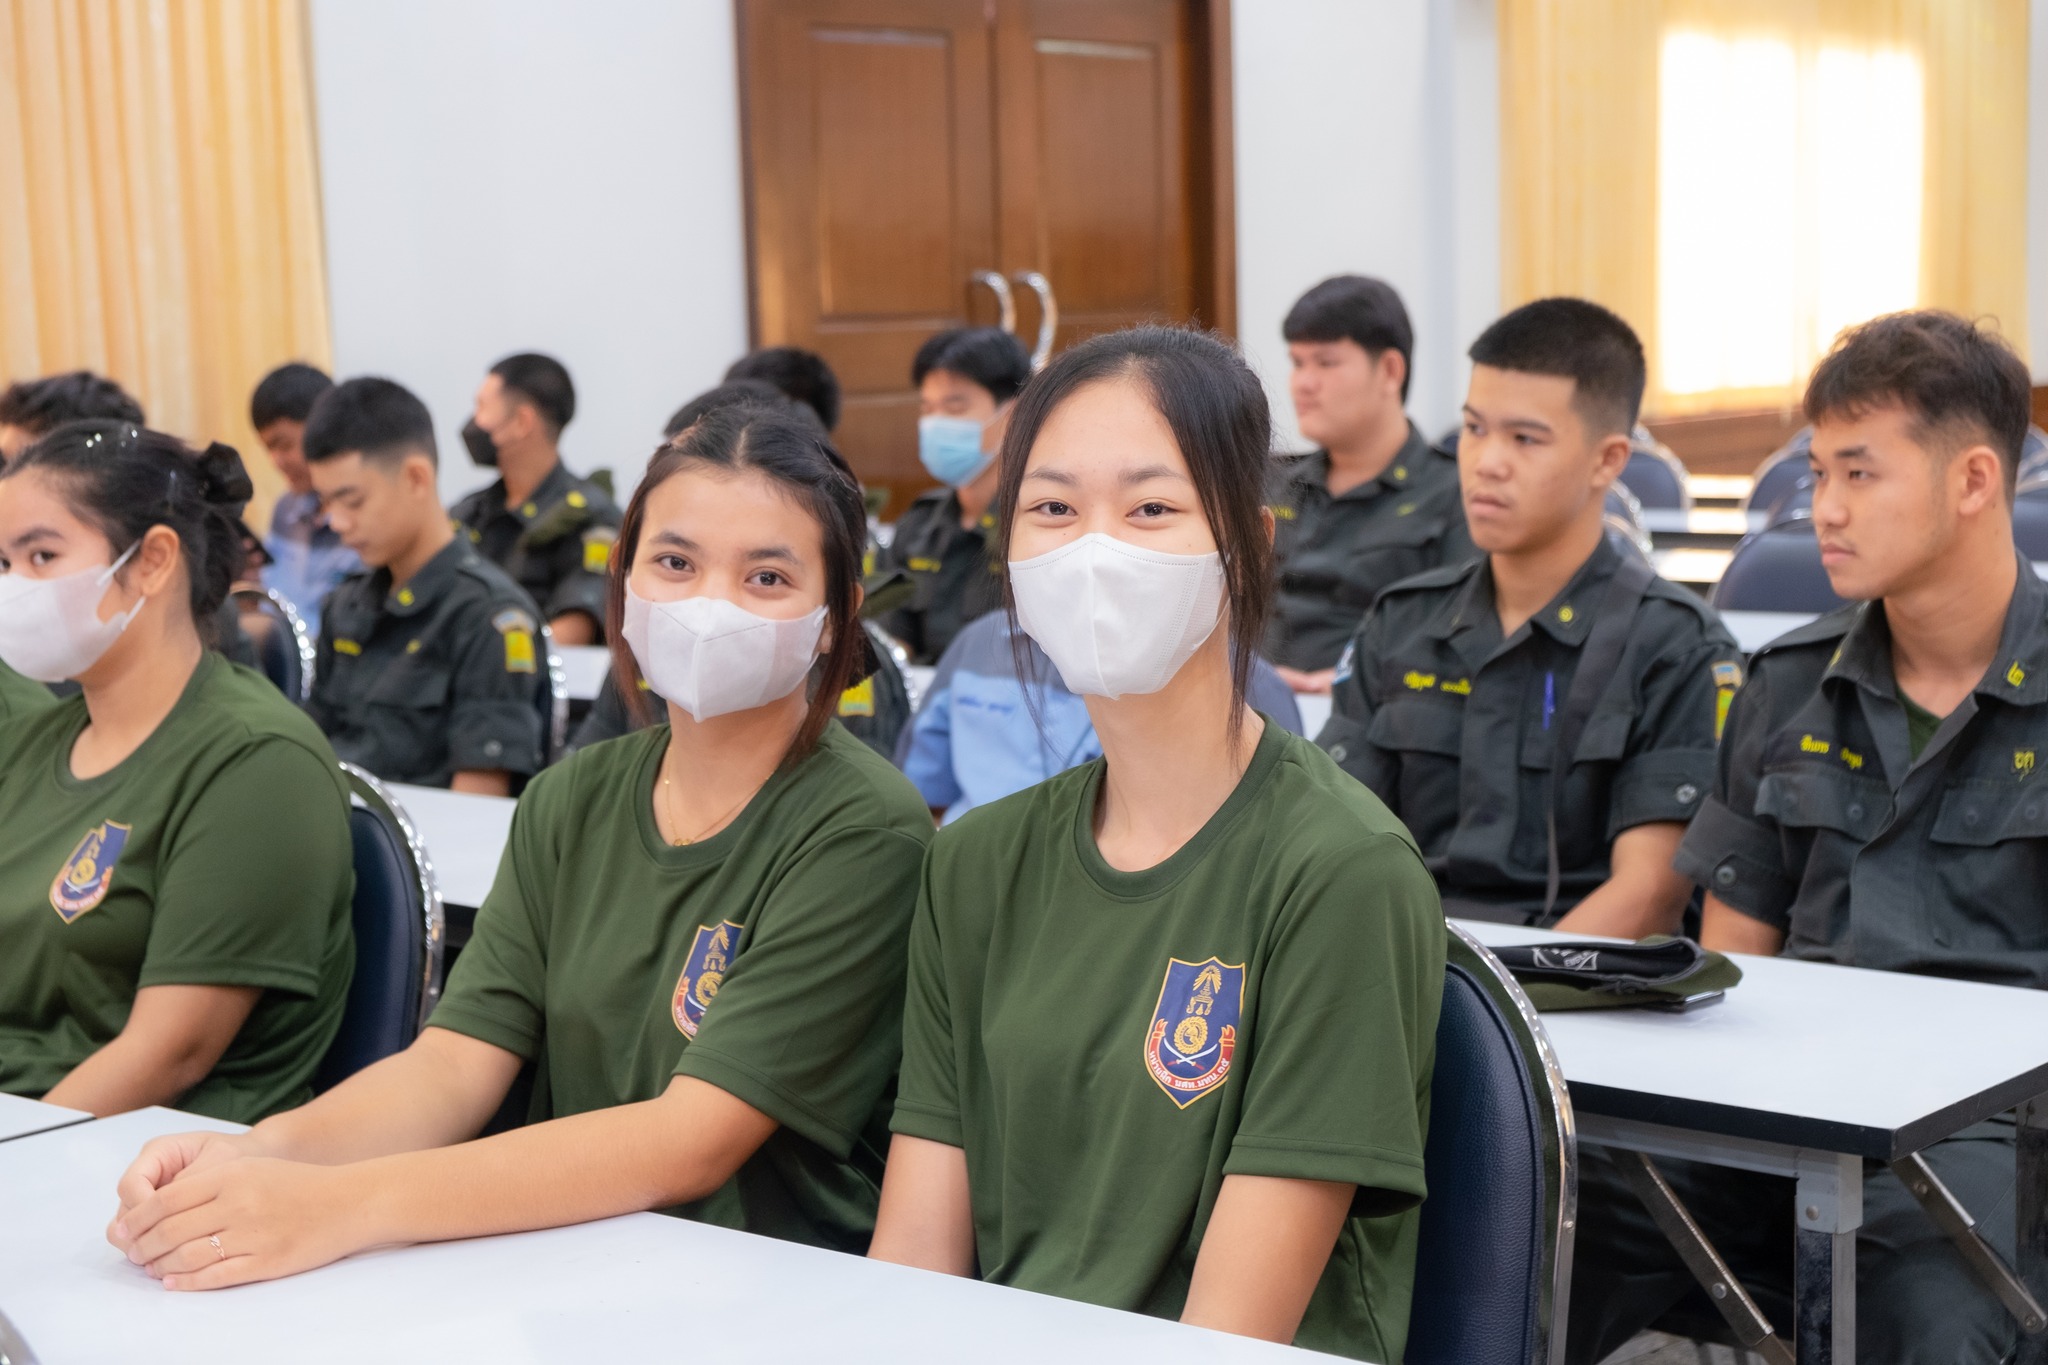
<point x="308" y="559"/>
<point x="975" y="738"/>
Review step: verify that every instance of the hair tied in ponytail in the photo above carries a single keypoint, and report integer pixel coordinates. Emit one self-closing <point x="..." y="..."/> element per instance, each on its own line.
<point x="223" y="479"/>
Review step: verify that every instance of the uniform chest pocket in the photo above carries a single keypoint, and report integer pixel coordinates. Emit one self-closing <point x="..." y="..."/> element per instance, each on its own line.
<point x="1604" y="739"/>
<point x="413" y="683"/>
<point x="1978" y="814"/>
<point x="1419" y="726"/>
<point x="1814" y="798"/>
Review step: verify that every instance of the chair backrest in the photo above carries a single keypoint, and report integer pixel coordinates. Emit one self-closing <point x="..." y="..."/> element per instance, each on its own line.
<point x="2030" y="517"/>
<point x="1793" y="502"/>
<point x="1654" y="474"/>
<point x="1777" y="569"/>
<point x="1780" y="469"/>
<point x="1494" y="1252"/>
<point x="284" y="647"/>
<point x="554" y="700"/>
<point x="2033" y="454"/>
<point x="398" y="929"/>
<point x="1623" y="518"/>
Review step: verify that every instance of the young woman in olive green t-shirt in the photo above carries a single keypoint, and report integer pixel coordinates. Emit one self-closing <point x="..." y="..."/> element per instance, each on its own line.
<point x="697" y="933"/>
<point x="1172" y="1014"/>
<point x="175" y="869"/>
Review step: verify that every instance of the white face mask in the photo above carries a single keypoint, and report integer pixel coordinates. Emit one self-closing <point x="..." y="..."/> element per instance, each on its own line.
<point x="1115" y="618"/>
<point x="50" y="628"/>
<point x="713" y="657"/>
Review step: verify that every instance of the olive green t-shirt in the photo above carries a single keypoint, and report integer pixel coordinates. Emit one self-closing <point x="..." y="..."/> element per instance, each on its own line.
<point x="216" y="854"/>
<point x="1921" y="724"/>
<point x="1107" y="1046"/>
<point x="767" y="960"/>
<point x="21" y="696"/>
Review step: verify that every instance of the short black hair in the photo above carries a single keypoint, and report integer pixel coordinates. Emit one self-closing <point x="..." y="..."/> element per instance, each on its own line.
<point x="757" y="392"/>
<point x="988" y="356"/>
<point x="379" y="419"/>
<point x="1578" y="340"/>
<point x="287" y="394"/>
<point x="542" y="381"/>
<point x="39" y="406"/>
<point x="801" y="374"/>
<point x="1357" y="308"/>
<point x="1956" y="380"/>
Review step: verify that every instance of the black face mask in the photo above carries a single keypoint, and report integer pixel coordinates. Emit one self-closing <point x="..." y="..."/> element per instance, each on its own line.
<point x="482" y="449"/>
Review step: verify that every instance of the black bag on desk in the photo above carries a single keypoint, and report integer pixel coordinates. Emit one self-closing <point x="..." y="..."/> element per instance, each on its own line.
<point x="1658" y="971"/>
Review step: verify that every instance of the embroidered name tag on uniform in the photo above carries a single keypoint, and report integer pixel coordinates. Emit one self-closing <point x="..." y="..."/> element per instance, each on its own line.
<point x="1194" y="1028"/>
<point x="703" y="973"/>
<point x="89" y="871"/>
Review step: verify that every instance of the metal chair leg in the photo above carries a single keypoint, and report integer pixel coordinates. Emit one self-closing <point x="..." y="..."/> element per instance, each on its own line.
<point x="1956" y="1223"/>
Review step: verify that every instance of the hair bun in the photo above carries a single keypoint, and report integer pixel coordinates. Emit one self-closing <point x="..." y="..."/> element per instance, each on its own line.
<point x="223" y="478"/>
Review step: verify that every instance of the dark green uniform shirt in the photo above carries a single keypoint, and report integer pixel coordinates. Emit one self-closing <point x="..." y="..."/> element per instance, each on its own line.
<point x="767" y="960"/>
<point x="1822" y="823"/>
<point x="216" y="854"/>
<point x="21" y="696"/>
<point x="557" y="544"/>
<point x="1107" y="1046"/>
<point x="1451" y="726"/>
<point x="1333" y="557"/>
<point x="440" y="677"/>
<point x="955" y="571"/>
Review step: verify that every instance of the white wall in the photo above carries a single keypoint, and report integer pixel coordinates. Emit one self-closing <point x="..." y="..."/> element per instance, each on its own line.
<point x="505" y="175"/>
<point x="1368" y="142"/>
<point x="2037" y="191"/>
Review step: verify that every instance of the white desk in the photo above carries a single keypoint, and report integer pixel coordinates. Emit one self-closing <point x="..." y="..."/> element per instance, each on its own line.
<point x="1696" y="568"/>
<point x="640" y="1288"/>
<point x="1719" y="487"/>
<point x="20" y="1117"/>
<point x="1731" y="522"/>
<point x="1755" y="629"/>
<point x="1315" y="711"/>
<point x="1804" y="1071"/>
<point x="584" y="669"/>
<point x="464" y="835"/>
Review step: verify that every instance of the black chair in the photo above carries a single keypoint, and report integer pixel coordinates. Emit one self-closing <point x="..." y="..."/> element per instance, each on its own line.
<point x="2033" y="454"/>
<point x="1654" y="474"/>
<point x="1777" y="569"/>
<point x="399" y="932"/>
<point x="1779" y="473"/>
<point x="284" y="647"/>
<point x="2030" y="518"/>
<point x="1623" y="519"/>
<point x="1493" y="1259"/>
<point x="1792" y="503"/>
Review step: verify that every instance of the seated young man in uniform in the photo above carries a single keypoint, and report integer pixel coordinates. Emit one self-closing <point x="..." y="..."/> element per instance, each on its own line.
<point x="307" y="559"/>
<point x="428" y="669"/>
<point x="1876" y="805"/>
<point x="36" y="407"/>
<point x="1373" y="504"/>
<point x="966" y="379"/>
<point x="791" y="370"/>
<point x="1543" y="718"/>
<point x="550" y="530"/>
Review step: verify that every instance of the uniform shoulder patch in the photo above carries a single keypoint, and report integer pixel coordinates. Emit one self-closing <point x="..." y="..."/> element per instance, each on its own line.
<point x="1345" y="663"/>
<point x="703" y="972"/>
<point x="1727" y="678"/>
<point x="83" y="881"/>
<point x="1193" y="1033"/>
<point x="597" y="548"/>
<point x="517" y="627"/>
<point x="859" y="699"/>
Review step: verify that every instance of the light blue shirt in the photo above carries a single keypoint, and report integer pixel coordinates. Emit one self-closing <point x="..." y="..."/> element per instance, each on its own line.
<point x="981" y="733"/>
<point x="307" y="559"/>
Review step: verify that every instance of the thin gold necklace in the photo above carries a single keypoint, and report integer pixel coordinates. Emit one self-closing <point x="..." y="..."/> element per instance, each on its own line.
<point x="675" y="820"/>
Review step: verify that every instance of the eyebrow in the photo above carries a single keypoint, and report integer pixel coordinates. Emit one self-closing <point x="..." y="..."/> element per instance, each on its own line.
<point x="35" y="535"/>
<point x="1128" y="478"/>
<point x="1845" y="453"/>
<point x="780" y="553"/>
<point x="1512" y="423"/>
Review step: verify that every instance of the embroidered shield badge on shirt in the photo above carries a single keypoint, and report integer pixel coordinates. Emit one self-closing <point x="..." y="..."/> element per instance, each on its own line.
<point x="703" y="973"/>
<point x="1194" y="1028"/>
<point x="89" y="871"/>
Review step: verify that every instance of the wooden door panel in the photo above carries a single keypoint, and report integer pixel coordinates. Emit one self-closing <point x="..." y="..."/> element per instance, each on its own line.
<point x="870" y="147"/>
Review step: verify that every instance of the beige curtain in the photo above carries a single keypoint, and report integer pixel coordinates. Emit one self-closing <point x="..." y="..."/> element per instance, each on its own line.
<point x="1580" y="145"/>
<point x="162" y="216"/>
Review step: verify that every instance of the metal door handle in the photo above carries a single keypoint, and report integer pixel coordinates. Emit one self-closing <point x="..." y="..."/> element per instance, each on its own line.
<point x="1004" y="298"/>
<point x="1048" y="314"/>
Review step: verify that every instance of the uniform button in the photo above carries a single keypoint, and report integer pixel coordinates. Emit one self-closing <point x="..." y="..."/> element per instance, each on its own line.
<point x="1687" y="793"/>
<point x="494" y="748"/>
<point x="1855" y="810"/>
<point x="1970" y="816"/>
<point x="1724" y="875"/>
<point x="2031" y="812"/>
<point x="1339" y="753"/>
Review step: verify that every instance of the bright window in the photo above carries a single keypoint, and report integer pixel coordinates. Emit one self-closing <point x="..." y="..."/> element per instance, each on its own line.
<point x="1788" y="206"/>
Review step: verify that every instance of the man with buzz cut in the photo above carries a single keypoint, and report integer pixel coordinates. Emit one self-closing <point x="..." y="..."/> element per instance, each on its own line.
<point x="1878" y="803"/>
<point x="547" y="528"/>
<point x="428" y="668"/>
<point x="1542" y="718"/>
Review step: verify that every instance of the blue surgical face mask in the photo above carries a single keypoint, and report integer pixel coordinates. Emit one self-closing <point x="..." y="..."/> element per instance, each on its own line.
<point x="950" y="448"/>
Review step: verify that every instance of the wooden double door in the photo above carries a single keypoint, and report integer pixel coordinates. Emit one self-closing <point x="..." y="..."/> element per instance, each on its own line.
<point x="912" y="162"/>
